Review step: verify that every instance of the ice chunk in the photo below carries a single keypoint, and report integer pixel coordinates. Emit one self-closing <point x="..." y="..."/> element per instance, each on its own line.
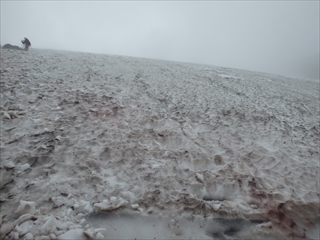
<point x="29" y="236"/>
<point x="72" y="234"/>
<point x="69" y="211"/>
<point x="88" y="208"/>
<point x="114" y="204"/>
<point x="53" y="236"/>
<point x="19" y="230"/>
<point x="13" y="114"/>
<point x="216" y="206"/>
<point x="113" y="199"/>
<point x="99" y="236"/>
<point x="88" y="234"/>
<point x="155" y="166"/>
<point x="6" y="115"/>
<point x="50" y="225"/>
<point x="26" y="226"/>
<point x="9" y="165"/>
<point x="199" y="177"/>
<point x="25" y="167"/>
<point x="135" y="206"/>
<point x="26" y="207"/>
<point x="15" y="235"/>
<point x="58" y="137"/>
<point x="37" y="120"/>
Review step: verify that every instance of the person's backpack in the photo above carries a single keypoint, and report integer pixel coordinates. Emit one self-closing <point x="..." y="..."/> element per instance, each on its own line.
<point x="28" y="42"/>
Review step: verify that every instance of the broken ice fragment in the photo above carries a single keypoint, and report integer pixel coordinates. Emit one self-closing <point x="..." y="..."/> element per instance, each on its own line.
<point x="155" y="166"/>
<point x="6" y="115"/>
<point x="58" y="137"/>
<point x="26" y="207"/>
<point x="53" y="236"/>
<point x="216" y="206"/>
<point x="199" y="177"/>
<point x="25" y="167"/>
<point x="9" y="96"/>
<point x="29" y="236"/>
<point x="99" y="236"/>
<point x="13" y="114"/>
<point x="21" y="112"/>
<point x="135" y="206"/>
<point x="50" y="225"/>
<point x="15" y="235"/>
<point x="69" y="211"/>
<point x="107" y="206"/>
<point x="88" y="208"/>
<point x="9" y="165"/>
<point x="73" y="234"/>
<point x="88" y="234"/>
<point x="37" y="120"/>
<point x="15" y="107"/>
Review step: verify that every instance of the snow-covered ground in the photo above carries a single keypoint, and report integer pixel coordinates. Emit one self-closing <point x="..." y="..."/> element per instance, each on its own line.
<point x="115" y="147"/>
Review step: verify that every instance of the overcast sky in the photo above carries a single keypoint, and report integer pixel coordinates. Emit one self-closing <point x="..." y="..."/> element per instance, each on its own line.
<point x="267" y="36"/>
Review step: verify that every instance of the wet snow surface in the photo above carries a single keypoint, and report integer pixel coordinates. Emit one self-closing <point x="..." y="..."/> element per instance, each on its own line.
<point x="112" y="147"/>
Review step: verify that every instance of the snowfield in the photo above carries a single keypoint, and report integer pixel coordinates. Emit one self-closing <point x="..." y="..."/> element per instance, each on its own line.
<point x="113" y="147"/>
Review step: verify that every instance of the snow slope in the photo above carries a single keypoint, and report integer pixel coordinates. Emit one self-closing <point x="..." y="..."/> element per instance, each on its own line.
<point x="102" y="146"/>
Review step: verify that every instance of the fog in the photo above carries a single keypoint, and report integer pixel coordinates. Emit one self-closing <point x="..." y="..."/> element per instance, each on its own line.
<point x="273" y="37"/>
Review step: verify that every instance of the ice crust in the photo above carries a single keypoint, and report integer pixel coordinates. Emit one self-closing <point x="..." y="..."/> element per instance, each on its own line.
<point x="91" y="143"/>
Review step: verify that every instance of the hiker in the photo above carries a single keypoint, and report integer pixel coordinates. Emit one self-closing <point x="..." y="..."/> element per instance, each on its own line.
<point x="26" y="43"/>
